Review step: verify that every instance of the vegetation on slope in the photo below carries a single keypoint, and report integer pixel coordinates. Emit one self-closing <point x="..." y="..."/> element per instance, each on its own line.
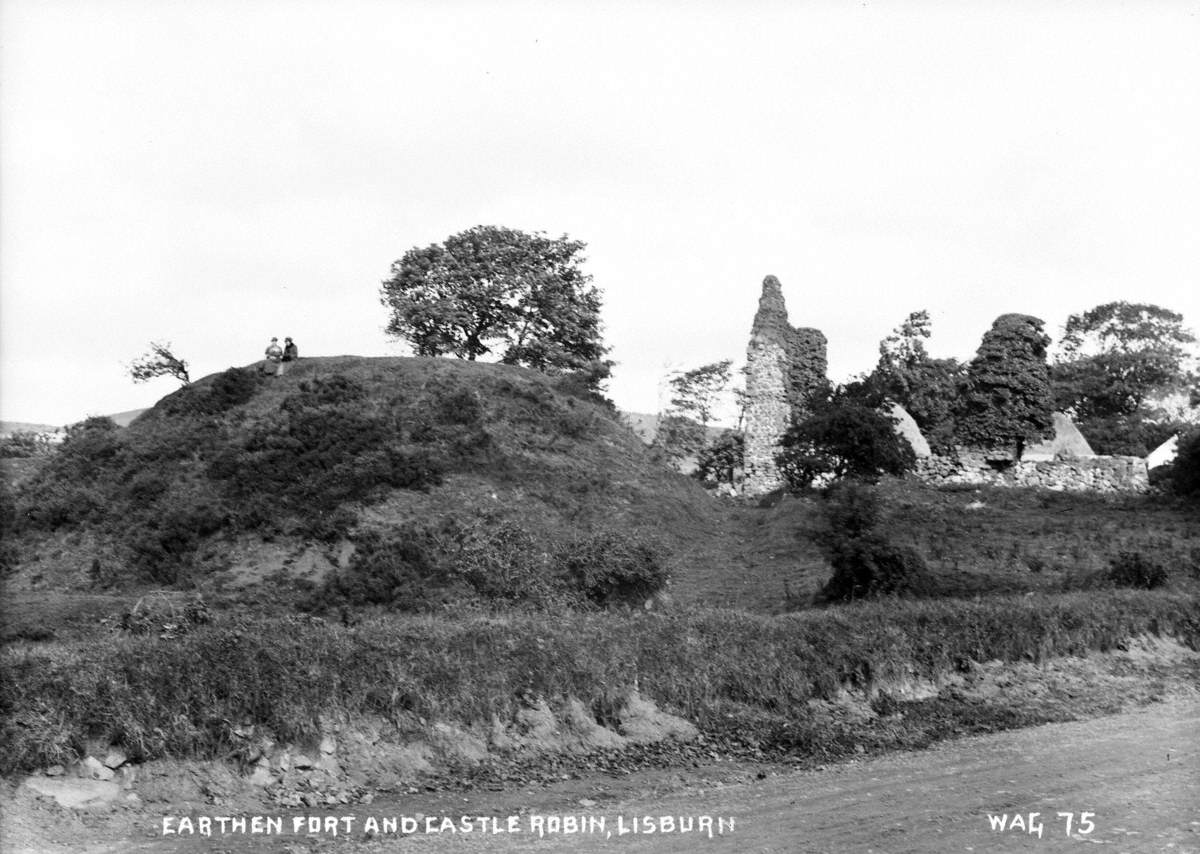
<point x="727" y="671"/>
<point x="406" y="449"/>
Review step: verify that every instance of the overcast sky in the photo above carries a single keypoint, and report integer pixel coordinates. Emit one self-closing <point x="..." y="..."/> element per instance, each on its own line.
<point x="214" y="173"/>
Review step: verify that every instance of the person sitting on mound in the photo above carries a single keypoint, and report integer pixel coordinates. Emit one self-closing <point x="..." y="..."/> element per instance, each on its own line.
<point x="290" y="354"/>
<point x="274" y="356"/>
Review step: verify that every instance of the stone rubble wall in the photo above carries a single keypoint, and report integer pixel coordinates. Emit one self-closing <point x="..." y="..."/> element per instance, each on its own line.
<point x="785" y="367"/>
<point x="808" y="366"/>
<point x="768" y="413"/>
<point x="1084" y="474"/>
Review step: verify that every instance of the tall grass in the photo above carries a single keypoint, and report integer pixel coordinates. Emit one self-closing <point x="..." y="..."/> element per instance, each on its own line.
<point x="186" y="696"/>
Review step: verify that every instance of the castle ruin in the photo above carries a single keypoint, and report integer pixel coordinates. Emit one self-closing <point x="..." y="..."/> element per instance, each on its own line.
<point x="785" y="366"/>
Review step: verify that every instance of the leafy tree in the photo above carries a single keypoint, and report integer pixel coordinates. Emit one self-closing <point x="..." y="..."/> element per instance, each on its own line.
<point x="1006" y="399"/>
<point x="697" y="392"/>
<point x="843" y="438"/>
<point x="1114" y="360"/>
<point x="1127" y="328"/>
<point x="159" y="361"/>
<point x="683" y="428"/>
<point x="924" y="386"/>
<point x="493" y="289"/>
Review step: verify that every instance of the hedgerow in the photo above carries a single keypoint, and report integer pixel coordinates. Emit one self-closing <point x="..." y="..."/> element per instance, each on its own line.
<point x="184" y="695"/>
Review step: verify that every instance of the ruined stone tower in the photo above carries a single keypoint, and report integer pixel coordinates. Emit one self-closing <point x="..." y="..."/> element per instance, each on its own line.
<point x="785" y="367"/>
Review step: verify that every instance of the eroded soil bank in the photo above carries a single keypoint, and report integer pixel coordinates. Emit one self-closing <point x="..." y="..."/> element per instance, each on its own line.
<point x="1146" y="697"/>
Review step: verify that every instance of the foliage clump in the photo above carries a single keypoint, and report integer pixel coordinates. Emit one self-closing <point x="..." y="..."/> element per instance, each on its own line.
<point x="609" y="569"/>
<point x="1006" y="400"/>
<point x="844" y="437"/>
<point x="866" y="562"/>
<point x="400" y="570"/>
<point x="421" y="568"/>
<point x="203" y="465"/>
<point x="228" y="389"/>
<point x="24" y="444"/>
<point x="326" y="446"/>
<point x="69" y="488"/>
<point x="722" y="459"/>
<point x="1134" y="569"/>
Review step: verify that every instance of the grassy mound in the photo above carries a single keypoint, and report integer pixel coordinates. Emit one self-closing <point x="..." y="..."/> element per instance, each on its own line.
<point x="414" y="482"/>
<point x="424" y="459"/>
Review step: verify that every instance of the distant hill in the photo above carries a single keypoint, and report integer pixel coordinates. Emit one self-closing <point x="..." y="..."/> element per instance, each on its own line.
<point x="124" y="419"/>
<point x="7" y="428"/>
<point x="645" y="426"/>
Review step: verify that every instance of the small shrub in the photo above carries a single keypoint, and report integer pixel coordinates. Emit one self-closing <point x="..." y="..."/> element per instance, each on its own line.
<point x="333" y="390"/>
<point x="575" y="423"/>
<point x="507" y="563"/>
<point x="401" y="570"/>
<point x="1134" y="569"/>
<point x="613" y="570"/>
<point x="230" y="388"/>
<point x="458" y="406"/>
<point x="872" y="566"/>
<point x="159" y="615"/>
<point x="163" y="541"/>
<point x="866" y="563"/>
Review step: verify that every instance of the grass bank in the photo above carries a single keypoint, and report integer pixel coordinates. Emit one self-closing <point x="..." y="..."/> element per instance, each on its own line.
<point x="185" y="696"/>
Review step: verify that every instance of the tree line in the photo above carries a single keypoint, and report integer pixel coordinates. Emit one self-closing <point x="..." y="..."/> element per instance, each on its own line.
<point x="1122" y="370"/>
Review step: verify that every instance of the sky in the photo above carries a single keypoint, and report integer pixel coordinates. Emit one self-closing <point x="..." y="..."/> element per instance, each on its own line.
<point x="214" y="173"/>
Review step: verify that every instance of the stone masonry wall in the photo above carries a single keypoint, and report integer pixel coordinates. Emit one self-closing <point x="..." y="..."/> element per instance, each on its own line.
<point x="1085" y="474"/>
<point x="784" y="368"/>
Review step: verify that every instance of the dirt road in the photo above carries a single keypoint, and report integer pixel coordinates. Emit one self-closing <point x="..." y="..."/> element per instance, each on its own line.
<point x="1136" y="775"/>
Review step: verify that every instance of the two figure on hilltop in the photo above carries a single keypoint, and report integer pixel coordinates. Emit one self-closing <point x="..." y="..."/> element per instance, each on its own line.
<point x="278" y="358"/>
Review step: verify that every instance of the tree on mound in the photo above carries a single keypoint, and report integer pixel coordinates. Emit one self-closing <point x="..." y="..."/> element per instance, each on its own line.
<point x="492" y="289"/>
<point x="159" y="361"/>
<point x="1007" y="399"/>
